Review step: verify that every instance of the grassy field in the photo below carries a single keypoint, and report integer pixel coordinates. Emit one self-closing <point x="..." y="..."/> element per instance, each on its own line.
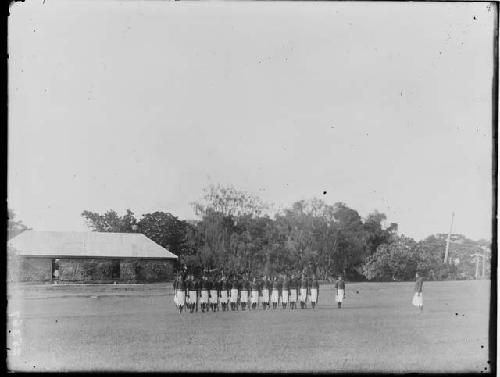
<point x="137" y="328"/>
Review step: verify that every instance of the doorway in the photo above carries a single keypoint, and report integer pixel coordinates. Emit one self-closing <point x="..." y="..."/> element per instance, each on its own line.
<point x="55" y="270"/>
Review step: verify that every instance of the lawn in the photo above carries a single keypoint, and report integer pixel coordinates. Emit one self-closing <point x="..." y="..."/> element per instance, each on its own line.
<point x="137" y="328"/>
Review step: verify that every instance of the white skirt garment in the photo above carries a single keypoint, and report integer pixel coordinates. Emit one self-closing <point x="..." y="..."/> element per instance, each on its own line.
<point x="284" y="296"/>
<point x="234" y="295"/>
<point x="418" y="299"/>
<point x="293" y="295"/>
<point x="314" y="295"/>
<point x="255" y="297"/>
<point x="340" y="295"/>
<point x="275" y="295"/>
<point x="181" y="298"/>
<point x="204" y="297"/>
<point x="223" y="297"/>
<point x="244" y="296"/>
<point x="303" y="294"/>
<point x="213" y="296"/>
<point x="192" y="297"/>
<point x="265" y="296"/>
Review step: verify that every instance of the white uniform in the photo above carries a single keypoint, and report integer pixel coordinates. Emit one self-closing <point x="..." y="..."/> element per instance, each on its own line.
<point x="192" y="297"/>
<point x="293" y="295"/>
<point x="284" y="296"/>
<point x="223" y="297"/>
<point x="340" y="295"/>
<point x="234" y="295"/>
<point x="418" y="299"/>
<point x="255" y="297"/>
<point x="275" y="296"/>
<point x="314" y="295"/>
<point x="303" y="294"/>
<point x="213" y="296"/>
<point x="265" y="295"/>
<point x="181" y="297"/>
<point x="204" y="297"/>
<point x="244" y="296"/>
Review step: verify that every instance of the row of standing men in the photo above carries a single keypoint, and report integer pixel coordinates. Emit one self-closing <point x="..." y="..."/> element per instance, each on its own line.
<point x="234" y="292"/>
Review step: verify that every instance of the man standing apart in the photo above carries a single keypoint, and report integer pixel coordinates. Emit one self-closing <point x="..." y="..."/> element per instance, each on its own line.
<point x="418" y="297"/>
<point x="314" y="289"/>
<point x="340" y="289"/>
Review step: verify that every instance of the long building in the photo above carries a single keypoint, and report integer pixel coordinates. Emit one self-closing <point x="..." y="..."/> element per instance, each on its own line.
<point x="87" y="257"/>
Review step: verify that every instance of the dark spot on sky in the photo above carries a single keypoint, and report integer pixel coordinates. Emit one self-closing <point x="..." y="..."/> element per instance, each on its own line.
<point x="474" y="17"/>
<point x="357" y="292"/>
<point x="456" y="313"/>
<point x="324" y="192"/>
<point x="482" y="346"/>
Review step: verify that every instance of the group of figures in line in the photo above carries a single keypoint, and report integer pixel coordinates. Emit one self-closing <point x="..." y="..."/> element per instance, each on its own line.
<point x="241" y="291"/>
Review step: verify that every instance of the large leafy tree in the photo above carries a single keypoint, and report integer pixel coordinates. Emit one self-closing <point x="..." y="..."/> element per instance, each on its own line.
<point x="110" y="221"/>
<point x="395" y="261"/>
<point x="168" y="231"/>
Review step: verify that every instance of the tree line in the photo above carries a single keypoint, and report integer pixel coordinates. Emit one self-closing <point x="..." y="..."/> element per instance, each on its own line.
<point x="234" y="232"/>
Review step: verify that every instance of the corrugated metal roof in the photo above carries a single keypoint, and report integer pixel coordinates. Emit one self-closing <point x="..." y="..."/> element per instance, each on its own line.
<point x="87" y="244"/>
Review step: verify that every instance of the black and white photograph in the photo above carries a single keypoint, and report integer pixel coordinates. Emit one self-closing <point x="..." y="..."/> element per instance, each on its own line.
<point x="252" y="186"/>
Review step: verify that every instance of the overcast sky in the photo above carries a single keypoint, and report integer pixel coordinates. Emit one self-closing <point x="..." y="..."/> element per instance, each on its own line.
<point x="141" y="104"/>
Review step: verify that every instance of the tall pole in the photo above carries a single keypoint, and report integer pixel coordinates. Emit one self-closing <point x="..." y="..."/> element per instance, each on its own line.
<point x="448" y="241"/>
<point x="484" y="263"/>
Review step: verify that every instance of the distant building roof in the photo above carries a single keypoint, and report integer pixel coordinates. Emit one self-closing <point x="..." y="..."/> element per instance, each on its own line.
<point x="87" y="244"/>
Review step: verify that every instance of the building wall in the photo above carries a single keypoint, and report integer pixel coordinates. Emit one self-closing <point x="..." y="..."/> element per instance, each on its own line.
<point x="150" y="270"/>
<point x="91" y="270"/>
<point x="85" y="269"/>
<point x="29" y="269"/>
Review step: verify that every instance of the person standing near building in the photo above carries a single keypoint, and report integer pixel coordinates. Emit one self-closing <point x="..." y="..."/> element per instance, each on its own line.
<point x="285" y="286"/>
<point x="340" y="291"/>
<point x="254" y="292"/>
<point x="418" y="297"/>
<point x="314" y="291"/>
